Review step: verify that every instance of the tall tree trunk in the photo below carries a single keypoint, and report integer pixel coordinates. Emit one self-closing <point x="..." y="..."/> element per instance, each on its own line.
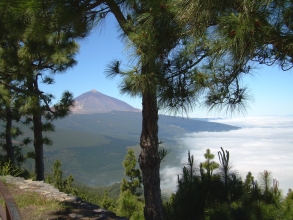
<point x="149" y="160"/>
<point x="38" y="145"/>
<point x="38" y="131"/>
<point x="8" y="136"/>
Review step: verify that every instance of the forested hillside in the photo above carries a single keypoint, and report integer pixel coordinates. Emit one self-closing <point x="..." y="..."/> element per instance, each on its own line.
<point x="92" y="146"/>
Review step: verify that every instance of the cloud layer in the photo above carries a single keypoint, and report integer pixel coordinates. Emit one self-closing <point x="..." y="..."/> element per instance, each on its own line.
<point x="263" y="143"/>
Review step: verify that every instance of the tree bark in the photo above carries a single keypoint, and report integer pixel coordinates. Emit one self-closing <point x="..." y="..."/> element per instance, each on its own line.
<point x="149" y="160"/>
<point x="8" y="136"/>
<point x="38" y="131"/>
<point x="38" y="145"/>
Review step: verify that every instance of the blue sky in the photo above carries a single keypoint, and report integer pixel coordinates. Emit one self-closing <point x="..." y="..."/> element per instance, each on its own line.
<point x="270" y="87"/>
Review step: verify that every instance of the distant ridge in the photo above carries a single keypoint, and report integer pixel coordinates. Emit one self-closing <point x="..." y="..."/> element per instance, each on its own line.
<point x="96" y="102"/>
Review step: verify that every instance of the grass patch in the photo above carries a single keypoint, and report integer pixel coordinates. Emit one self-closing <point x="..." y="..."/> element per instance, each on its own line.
<point x="32" y="205"/>
<point x="35" y="199"/>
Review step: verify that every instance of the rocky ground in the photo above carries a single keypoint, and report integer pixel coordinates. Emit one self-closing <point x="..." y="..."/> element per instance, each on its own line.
<point x="72" y="207"/>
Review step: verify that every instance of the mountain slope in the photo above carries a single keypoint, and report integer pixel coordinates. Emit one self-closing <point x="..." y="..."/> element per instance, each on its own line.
<point x="128" y="124"/>
<point x="96" y="102"/>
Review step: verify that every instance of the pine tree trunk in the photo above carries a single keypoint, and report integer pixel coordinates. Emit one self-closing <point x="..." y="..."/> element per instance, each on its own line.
<point x="38" y="132"/>
<point x="8" y="136"/>
<point x="38" y="145"/>
<point x="149" y="160"/>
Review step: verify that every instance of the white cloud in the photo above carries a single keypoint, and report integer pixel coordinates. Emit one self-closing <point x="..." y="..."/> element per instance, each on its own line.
<point x="265" y="121"/>
<point x="263" y="143"/>
<point x="169" y="178"/>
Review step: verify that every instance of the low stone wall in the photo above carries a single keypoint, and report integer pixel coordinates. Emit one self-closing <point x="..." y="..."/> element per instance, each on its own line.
<point x="51" y="192"/>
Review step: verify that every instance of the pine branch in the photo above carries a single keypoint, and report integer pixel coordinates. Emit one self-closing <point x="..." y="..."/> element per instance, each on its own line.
<point x="23" y="91"/>
<point x="115" y="9"/>
<point x="180" y="72"/>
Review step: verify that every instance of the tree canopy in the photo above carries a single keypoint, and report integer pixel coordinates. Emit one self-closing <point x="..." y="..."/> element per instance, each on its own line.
<point x="38" y="40"/>
<point x="241" y="35"/>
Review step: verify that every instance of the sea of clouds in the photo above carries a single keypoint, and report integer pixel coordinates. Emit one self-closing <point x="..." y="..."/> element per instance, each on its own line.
<point x="262" y="143"/>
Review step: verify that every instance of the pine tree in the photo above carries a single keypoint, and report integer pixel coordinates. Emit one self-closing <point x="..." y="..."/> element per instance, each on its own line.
<point x="133" y="174"/>
<point x="6" y="115"/>
<point x="11" y="102"/>
<point x="57" y="179"/>
<point x="129" y="206"/>
<point x="164" y="77"/>
<point x="128" y="203"/>
<point x="8" y="100"/>
<point x="107" y="202"/>
<point x="145" y="88"/>
<point x="149" y="28"/>
<point x="209" y="165"/>
<point x="44" y="44"/>
<point x="224" y="158"/>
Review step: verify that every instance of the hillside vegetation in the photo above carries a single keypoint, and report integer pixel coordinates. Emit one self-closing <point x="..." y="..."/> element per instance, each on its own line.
<point x="92" y="146"/>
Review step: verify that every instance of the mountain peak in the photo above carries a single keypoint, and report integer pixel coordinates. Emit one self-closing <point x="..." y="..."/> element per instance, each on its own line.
<point x="96" y="102"/>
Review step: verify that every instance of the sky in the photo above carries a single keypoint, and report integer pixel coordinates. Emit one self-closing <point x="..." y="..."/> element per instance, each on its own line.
<point x="270" y="87"/>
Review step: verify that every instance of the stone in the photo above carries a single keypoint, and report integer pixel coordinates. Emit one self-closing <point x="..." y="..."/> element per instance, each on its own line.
<point x="99" y="210"/>
<point x="72" y="215"/>
<point x="86" y="210"/>
<point x="23" y="186"/>
<point x="45" y="193"/>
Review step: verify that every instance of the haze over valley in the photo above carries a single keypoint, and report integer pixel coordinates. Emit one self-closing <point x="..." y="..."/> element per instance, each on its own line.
<point x="92" y="142"/>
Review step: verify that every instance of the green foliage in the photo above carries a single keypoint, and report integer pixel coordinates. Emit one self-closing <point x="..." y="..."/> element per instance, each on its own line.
<point x="209" y="165"/>
<point x="233" y="36"/>
<point x="57" y="180"/>
<point x="89" y="194"/>
<point x="4" y="94"/>
<point x="163" y="153"/>
<point x="225" y="196"/>
<point x="287" y="205"/>
<point x="38" y="40"/>
<point x="134" y="174"/>
<point x="18" y="156"/>
<point x="129" y="206"/>
<point x="7" y="168"/>
<point x="128" y="203"/>
<point x="107" y="202"/>
<point x="9" y="114"/>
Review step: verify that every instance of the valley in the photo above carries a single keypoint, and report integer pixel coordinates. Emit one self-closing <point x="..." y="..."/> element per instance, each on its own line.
<point x="92" y="147"/>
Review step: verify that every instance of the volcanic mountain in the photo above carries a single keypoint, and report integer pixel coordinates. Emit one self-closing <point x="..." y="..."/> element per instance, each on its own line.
<point x="95" y="102"/>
